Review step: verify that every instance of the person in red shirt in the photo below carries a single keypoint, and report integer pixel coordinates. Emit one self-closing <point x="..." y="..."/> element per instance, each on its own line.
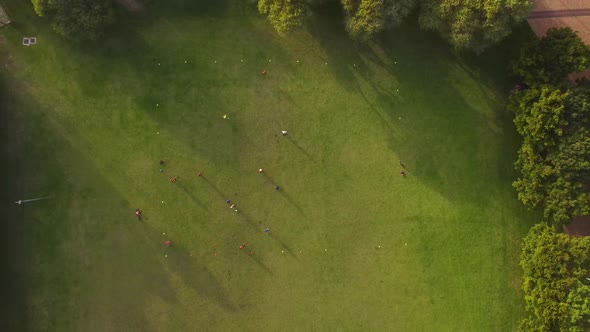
<point x="173" y="180"/>
<point x="168" y="243"/>
<point x="242" y="246"/>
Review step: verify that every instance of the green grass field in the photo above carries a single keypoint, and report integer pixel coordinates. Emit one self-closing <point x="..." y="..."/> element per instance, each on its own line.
<point x="353" y="245"/>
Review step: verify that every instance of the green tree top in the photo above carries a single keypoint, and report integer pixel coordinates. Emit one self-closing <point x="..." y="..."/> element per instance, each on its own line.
<point x="554" y="159"/>
<point x="555" y="267"/>
<point x="284" y="15"/>
<point x="364" y="18"/>
<point x="551" y="58"/>
<point x="473" y="24"/>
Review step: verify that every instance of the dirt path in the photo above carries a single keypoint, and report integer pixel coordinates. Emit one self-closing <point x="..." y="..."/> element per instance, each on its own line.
<point x="579" y="227"/>
<point x="559" y="13"/>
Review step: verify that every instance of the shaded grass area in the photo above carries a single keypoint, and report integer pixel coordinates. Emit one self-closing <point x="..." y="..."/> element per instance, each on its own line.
<point x="352" y="245"/>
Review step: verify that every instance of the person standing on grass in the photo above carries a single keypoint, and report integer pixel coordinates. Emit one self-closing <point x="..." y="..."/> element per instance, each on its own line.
<point x="168" y="243"/>
<point x="173" y="180"/>
<point x="138" y="214"/>
<point x="402" y="173"/>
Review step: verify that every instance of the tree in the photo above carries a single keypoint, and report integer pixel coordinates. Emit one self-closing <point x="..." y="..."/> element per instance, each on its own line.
<point x="551" y="58"/>
<point x="567" y="196"/>
<point x="364" y="18"/>
<point x="539" y="115"/>
<point x="284" y="15"/>
<point x="473" y="24"/>
<point x="555" y="267"/>
<point x="77" y="19"/>
<point x="554" y="159"/>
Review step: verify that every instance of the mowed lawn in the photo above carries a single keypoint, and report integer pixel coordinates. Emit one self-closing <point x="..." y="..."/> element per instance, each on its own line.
<point x="353" y="245"/>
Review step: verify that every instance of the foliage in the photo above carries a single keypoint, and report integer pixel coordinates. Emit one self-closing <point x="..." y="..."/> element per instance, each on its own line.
<point x="284" y="15"/>
<point x="364" y="18"/>
<point x="77" y="19"/>
<point x="554" y="159"/>
<point x="473" y="24"/>
<point x="555" y="267"/>
<point x="551" y="58"/>
<point x="41" y="6"/>
<point x="540" y="115"/>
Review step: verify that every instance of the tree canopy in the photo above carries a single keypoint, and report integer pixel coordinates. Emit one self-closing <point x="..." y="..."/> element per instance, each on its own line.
<point x="77" y="19"/>
<point x="554" y="159"/>
<point x="364" y="18"/>
<point x="554" y="122"/>
<point x="467" y="24"/>
<point x="473" y="24"/>
<point x="551" y="58"/>
<point x="284" y="15"/>
<point x="555" y="271"/>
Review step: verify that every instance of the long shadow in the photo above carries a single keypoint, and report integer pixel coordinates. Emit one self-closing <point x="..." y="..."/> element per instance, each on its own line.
<point x="284" y="194"/>
<point x="284" y="245"/>
<point x="63" y="232"/>
<point x="241" y="211"/>
<point x="425" y="67"/>
<point x="244" y="215"/>
<point x="260" y="263"/>
<point x="492" y="68"/>
<point x="15" y="221"/>
<point x="214" y="187"/>
<point x="432" y="151"/>
<point x="302" y="150"/>
<point x="191" y="195"/>
<point x="199" y="277"/>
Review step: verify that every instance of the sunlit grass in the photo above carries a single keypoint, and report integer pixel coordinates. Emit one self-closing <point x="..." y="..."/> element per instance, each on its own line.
<point x="353" y="245"/>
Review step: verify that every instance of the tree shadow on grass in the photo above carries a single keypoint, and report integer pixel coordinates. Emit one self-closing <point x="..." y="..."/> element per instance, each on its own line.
<point x="197" y="276"/>
<point x="142" y="274"/>
<point x="15" y="221"/>
<point x="269" y="180"/>
<point x="442" y="137"/>
<point x="85" y="242"/>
